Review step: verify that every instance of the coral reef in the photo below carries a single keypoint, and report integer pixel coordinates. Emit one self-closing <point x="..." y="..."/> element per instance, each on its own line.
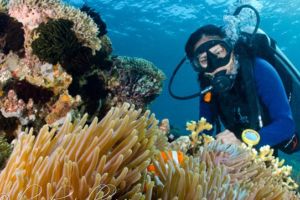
<point x="26" y="98"/>
<point x="52" y="34"/>
<point x="12" y="106"/>
<point x="134" y="80"/>
<point x="51" y="51"/>
<point x="62" y="107"/>
<point x="55" y="64"/>
<point x="106" y="48"/>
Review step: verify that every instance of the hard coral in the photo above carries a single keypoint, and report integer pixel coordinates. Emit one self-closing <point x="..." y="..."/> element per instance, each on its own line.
<point x="32" y="13"/>
<point x="134" y="80"/>
<point x="97" y="19"/>
<point x="84" y="27"/>
<point x="55" y="42"/>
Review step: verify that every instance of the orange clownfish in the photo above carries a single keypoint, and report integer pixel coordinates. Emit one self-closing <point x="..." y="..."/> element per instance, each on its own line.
<point x="176" y="156"/>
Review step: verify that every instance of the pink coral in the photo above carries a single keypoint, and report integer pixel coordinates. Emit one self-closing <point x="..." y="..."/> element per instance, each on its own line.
<point x="30" y="17"/>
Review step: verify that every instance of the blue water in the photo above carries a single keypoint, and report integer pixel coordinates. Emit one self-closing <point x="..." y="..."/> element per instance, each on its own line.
<point x="157" y="31"/>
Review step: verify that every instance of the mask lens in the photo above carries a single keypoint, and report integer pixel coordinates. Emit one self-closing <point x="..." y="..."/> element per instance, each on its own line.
<point x="219" y="51"/>
<point x="219" y="48"/>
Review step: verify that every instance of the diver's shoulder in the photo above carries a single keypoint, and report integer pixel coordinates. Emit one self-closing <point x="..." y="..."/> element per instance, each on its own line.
<point x="263" y="67"/>
<point x="262" y="62"/>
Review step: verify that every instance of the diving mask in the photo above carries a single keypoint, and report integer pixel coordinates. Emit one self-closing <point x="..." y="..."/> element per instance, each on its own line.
<point x="211" y="55"/>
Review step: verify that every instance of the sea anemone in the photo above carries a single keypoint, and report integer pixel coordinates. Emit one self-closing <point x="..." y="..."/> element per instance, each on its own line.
<point x="78" y="159"/>
<point x="191" y="180"/>
<point x="111" y="159"/>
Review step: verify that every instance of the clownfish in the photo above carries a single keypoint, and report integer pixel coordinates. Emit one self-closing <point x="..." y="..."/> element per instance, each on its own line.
<point x="176" y="156"/>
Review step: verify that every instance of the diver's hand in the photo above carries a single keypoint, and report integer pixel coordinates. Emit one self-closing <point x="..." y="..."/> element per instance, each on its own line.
<point x="228" y="137"/>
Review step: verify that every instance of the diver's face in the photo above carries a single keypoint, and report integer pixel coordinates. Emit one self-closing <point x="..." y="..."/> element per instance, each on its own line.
<point x="217" y="50"/>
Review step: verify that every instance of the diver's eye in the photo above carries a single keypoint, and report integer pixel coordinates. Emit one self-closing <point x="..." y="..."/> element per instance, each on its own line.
<point x="219" y="51"/>
<point x="203" y="60"/>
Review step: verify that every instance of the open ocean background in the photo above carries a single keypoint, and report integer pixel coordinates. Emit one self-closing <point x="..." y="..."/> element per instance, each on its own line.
<point x="157" y="30"/>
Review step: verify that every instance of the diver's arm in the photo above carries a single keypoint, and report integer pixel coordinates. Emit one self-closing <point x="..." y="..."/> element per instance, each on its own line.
<point x="272" y="94"/>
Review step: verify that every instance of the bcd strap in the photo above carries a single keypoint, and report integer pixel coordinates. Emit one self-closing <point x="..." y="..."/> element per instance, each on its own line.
<point x="246" y="67"/>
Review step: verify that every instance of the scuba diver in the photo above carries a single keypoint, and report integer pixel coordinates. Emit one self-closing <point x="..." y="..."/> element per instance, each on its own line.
<point x="241" y="89"/>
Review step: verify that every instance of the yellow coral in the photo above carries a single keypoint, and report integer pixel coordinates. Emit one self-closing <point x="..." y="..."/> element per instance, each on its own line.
<point x="198" y="127"/>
